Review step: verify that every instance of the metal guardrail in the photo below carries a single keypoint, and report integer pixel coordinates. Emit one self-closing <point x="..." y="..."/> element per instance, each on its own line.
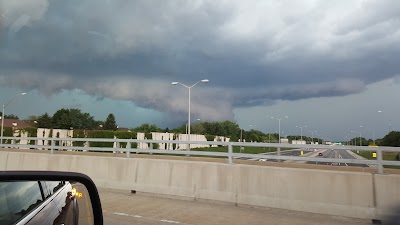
<point x="229" y="154"/>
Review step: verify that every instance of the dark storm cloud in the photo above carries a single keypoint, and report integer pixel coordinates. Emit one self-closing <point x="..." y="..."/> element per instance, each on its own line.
<point x="253" y="52"/>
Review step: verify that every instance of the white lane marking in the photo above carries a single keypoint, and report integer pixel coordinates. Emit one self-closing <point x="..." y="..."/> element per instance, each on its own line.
<point x="137" y="216"/>
<point x="340" y="157"/>
<point x="120" y="214"/>
<point x="169" y="221"/>
<point x="124" y="214"/>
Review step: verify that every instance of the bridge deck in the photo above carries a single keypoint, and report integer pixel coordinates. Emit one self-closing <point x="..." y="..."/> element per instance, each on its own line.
<point x="290" y="164"/>
<point x="122" y="207"/>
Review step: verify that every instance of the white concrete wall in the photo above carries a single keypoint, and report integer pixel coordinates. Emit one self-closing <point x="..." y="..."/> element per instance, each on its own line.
<point x="163" y="136"/>
<point x="140" y="136"/>
<point x="351" y="194"/>
<point x="298" y="142"/>
<point x="62" y="133"/>
<point x="21" y="133"/>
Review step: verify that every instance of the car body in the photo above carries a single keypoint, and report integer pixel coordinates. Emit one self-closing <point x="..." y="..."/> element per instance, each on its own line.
<point x="38" y="202"/>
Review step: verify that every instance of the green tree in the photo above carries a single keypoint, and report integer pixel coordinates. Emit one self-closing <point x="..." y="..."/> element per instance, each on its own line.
<point x="32" y="118"/>
<point x="73" y="118"/>
<point x="356" y="141"/>
<point x="110" y="123"/>
<point x="98" y="125"/>
<point x="392" y="139"/>
<point x="147" y="128"/>
<point x="11" y="116"/>
<point x="81" y="120"/>
<point x="197" y="128"/>
<point x="44" y="121"/>
<point x="61" y="119"/>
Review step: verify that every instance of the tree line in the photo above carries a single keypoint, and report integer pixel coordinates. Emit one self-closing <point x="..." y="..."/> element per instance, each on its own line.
<point x="76" y="119"/>
<point x="73" y="119"/>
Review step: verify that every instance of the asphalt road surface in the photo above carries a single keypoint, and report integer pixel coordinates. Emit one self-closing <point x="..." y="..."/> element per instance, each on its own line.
<point x="341" y="154"/>
<point x="294" y="152"/>
<point x="122" y="208"/>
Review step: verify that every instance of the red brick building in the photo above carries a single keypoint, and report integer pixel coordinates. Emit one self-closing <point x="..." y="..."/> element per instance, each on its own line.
<point x="17" y="124"/>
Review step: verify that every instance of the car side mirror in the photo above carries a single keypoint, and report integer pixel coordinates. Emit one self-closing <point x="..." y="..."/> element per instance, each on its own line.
<point x="45" y="197"/>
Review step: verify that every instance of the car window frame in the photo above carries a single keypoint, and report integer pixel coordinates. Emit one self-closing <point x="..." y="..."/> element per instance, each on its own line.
<point x="39" y="208"/>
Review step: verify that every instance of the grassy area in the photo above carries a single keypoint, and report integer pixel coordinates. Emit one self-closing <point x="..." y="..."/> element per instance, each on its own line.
<point x="236" y="149"/>
<point x="390" y="156"/>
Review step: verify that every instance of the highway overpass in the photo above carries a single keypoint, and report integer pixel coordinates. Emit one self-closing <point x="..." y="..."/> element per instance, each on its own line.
<point x="363" y="195"/>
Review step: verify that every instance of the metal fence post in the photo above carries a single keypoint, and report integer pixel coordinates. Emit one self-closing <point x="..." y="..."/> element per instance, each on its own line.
<point x="230" y="151"/>
<point x="379" y="160"/>
<point x="128" y="149"/>
<point x="52" y="146"/>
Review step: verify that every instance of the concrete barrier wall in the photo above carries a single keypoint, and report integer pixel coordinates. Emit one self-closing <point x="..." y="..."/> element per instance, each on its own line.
<point x="351" y="194"/>
<point x="387" y="194"/>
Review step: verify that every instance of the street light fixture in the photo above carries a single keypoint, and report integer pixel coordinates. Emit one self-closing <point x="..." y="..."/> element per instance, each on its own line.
<point x="5" y="104"/>
<point x="191" y="122"/>
<point x="312" y="135"/>
<point x="189" y="88"/>
<point x="279" y="122"/>
<point x="359" y="134"/>
<point x="301" y="132"/>
<point x="373" y="133"/>
<point x="380" y="111"/>
<point x="279" y="136"/>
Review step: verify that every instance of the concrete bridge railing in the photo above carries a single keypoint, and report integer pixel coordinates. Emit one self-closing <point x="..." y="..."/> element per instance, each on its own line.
<point x="379" y="162"/>
<point x="351" y="194"/>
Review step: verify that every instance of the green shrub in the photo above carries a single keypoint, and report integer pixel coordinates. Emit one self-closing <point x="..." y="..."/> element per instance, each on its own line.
<point x="7" y="132"/>
<point x="78" y="134"/>
<point x="148" y="136"/>
<point x="210" y="137"/>
<point x="32" y="132"/>
<point x="124" y="135"/>
<point x="234" y="139"/>
<point x="101" y="134"/>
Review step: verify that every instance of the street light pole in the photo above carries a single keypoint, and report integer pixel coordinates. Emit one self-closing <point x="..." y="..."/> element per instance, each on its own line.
<point x="3" y="115"/>
<point x="373" y="133"/>
<point x="241" y="139"/>
<point x="191" y="122"/>
<point x="359" y="134"/>
<point x="189" y="88"/>
<point x="312" y="136"/>
<point x="389" y="125"/>
<point x="279" y="135"/>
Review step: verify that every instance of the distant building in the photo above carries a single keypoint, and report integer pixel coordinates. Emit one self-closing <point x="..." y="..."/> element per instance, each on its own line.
<point x="284" y="141"/>
<point x="123" y="129"/>
<point x="16" y="124"/>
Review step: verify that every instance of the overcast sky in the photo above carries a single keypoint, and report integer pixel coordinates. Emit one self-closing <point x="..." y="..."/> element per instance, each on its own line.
<point x="327" y="65"/>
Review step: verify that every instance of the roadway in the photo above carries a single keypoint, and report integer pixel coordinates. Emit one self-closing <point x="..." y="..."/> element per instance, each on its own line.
<point x="122" y="208"/>
<point x="293" y="152"/>
<point x="326" y="153"/>
<point x="341" y="154"/>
